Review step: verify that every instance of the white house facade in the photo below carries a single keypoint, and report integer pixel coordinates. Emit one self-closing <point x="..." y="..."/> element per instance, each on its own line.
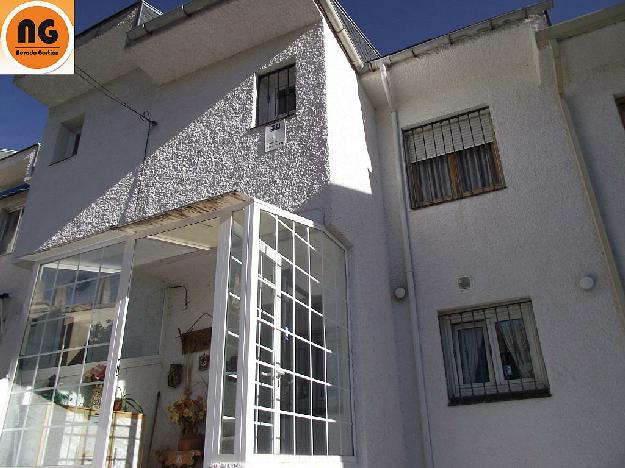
<point x="252" y="241"/>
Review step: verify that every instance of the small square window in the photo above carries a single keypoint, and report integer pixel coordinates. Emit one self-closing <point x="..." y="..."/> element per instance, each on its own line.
<point x="452" y="158"/>
<point x="492" y="353"/>
<point x="68" y="140"/>
<point x="9" y="224"/>
<point x="276" y="95"/>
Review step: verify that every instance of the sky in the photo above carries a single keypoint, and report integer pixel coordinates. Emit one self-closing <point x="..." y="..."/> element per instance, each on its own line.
<point x="390" y="24"/>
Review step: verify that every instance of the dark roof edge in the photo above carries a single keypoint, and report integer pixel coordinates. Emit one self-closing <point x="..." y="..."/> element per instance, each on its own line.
<point x="457" y="35"/>
<point x="14" y="153"/>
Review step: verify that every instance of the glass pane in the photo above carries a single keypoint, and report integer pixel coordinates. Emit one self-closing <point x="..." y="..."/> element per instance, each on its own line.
<point x="231" y="347"/>
<point x="319" y="438"/>
<point x="472" y="346"/>
<point x="62" y="362"/>
<point x="286" y="434"/>
<point x="313" y="312"/>
<point x="303" y="429"/>
<point x="514" y="350"/>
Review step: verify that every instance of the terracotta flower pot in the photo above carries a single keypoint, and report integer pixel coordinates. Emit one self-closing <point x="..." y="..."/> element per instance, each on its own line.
<point x="191" y="442"/>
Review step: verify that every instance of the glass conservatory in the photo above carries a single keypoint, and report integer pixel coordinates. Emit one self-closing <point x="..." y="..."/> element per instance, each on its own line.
<point x="225" y="327"/>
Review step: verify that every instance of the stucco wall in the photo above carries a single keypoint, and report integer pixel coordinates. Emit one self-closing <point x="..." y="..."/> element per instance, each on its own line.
<point x="383" y="374"/>
<point x="202" y="146"/>
<point x="533" y="239"/>
<point x="594" y="75"/>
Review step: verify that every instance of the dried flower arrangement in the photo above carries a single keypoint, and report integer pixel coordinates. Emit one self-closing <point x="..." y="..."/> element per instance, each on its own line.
<point x="187" y="412"/>
<point x="95" y="374"/>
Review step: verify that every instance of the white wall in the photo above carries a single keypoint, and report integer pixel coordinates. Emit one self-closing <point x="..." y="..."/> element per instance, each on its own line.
<point x="533" y="239"/>
<point x="383" y="384"/>
<point x="204" y="145"/>
<point x="143" y="377"/>
<point x="594" y="70"/>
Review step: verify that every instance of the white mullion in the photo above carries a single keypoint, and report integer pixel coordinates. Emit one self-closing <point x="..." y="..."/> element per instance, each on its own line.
<point x="277" y="356"/>
<point x="115" y="349"/>
<point x="491" y="335"/>
<point x="248" y="327"/>
<point x="216" y="370"/>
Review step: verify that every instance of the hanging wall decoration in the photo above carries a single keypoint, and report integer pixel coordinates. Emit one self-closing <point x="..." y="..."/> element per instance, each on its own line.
<point x="174" y="378"/>
<point x="204" y="362"/>
<point x="194" y="341"/>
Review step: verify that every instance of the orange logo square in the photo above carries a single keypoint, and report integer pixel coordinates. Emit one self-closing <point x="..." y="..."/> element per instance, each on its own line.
<point x="37" y="37"/>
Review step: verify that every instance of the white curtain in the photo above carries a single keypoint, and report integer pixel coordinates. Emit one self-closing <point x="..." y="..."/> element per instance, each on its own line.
<point x="477" y="168"/>
<point x="515" y="339"/>
<point x="473" y="354"/>
<point x="433" y="180"/>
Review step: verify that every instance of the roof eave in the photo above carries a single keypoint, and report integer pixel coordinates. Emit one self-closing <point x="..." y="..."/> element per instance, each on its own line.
<point x="582" y="24"/>
<point x="458" y="35"/>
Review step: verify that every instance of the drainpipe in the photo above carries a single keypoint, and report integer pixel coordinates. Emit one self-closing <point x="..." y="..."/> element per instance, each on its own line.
<point x="410" y="276"/>
<point x="613" y="273"/>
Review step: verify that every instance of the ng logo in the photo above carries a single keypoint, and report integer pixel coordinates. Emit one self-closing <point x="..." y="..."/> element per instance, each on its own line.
<point x="37" y="38"/>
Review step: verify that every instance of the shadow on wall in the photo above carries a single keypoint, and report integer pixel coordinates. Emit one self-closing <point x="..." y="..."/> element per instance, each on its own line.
<point x="190" y="160"/>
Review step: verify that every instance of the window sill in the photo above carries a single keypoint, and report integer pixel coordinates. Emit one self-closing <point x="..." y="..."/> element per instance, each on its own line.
<point x="495" y="397"/>
<point x="54" y="163"/>
<point x="464" y="196"/>
<point x="301" y="461"/>
<point x="271" y="122"/>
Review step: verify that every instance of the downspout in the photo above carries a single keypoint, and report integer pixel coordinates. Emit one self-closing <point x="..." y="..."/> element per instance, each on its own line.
<point x="613" y="273"/>
<point x="424" y="416"/>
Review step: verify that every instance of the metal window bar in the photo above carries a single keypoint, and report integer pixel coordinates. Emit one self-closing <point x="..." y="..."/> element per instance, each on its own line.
<point x="272" y="84"/>
<point x="509" y="388"/>
<point x="452" y="158"/>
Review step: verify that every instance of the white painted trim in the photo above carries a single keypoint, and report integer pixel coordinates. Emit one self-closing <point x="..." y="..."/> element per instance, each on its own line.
<point x="96" y="241"/>
<point x="401" y="176"/>
<point x="115" y="350"/>
<point x="215" y="379"/>
<point x="247" y="356"/>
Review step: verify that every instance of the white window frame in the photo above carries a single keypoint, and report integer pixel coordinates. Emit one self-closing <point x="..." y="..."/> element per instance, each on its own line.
<point x="486" y="317"/>
<point x="4" y="214"/>
<point x="244" y="426"/>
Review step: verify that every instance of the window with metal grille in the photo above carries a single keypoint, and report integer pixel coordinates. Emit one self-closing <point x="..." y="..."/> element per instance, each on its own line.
<point x="452" y="158"/>
<point x="276" y="95"/>
<point x="492" y="353"/>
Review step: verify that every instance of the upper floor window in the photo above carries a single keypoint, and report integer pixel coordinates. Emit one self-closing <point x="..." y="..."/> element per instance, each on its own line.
<point x="452" y="158"/>
<point x="68" y="140"/>
<point x="9" y="223"/>
<point x="492" y="353"/>
<point x="276" y="95"/>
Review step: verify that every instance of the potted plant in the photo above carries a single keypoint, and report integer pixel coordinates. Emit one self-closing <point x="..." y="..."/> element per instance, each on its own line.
<point x="127" y="404"/>
<point x="188" y="413"/>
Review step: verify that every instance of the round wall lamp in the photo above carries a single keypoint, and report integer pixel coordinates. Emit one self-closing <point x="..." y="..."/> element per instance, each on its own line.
<point x="399" y="293"/>
<point x="587" y="283"/>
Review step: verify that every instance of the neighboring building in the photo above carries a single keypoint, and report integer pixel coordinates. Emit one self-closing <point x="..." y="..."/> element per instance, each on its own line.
<point x="16" y="168"/>
<point x="270" y="177"/>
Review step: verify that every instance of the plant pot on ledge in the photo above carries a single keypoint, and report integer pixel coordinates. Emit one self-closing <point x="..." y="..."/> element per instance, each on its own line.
<point x="188" y="442"/>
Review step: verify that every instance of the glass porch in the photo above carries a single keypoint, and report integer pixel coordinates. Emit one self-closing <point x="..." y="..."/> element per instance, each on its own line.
<point x="244" y="307"/>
